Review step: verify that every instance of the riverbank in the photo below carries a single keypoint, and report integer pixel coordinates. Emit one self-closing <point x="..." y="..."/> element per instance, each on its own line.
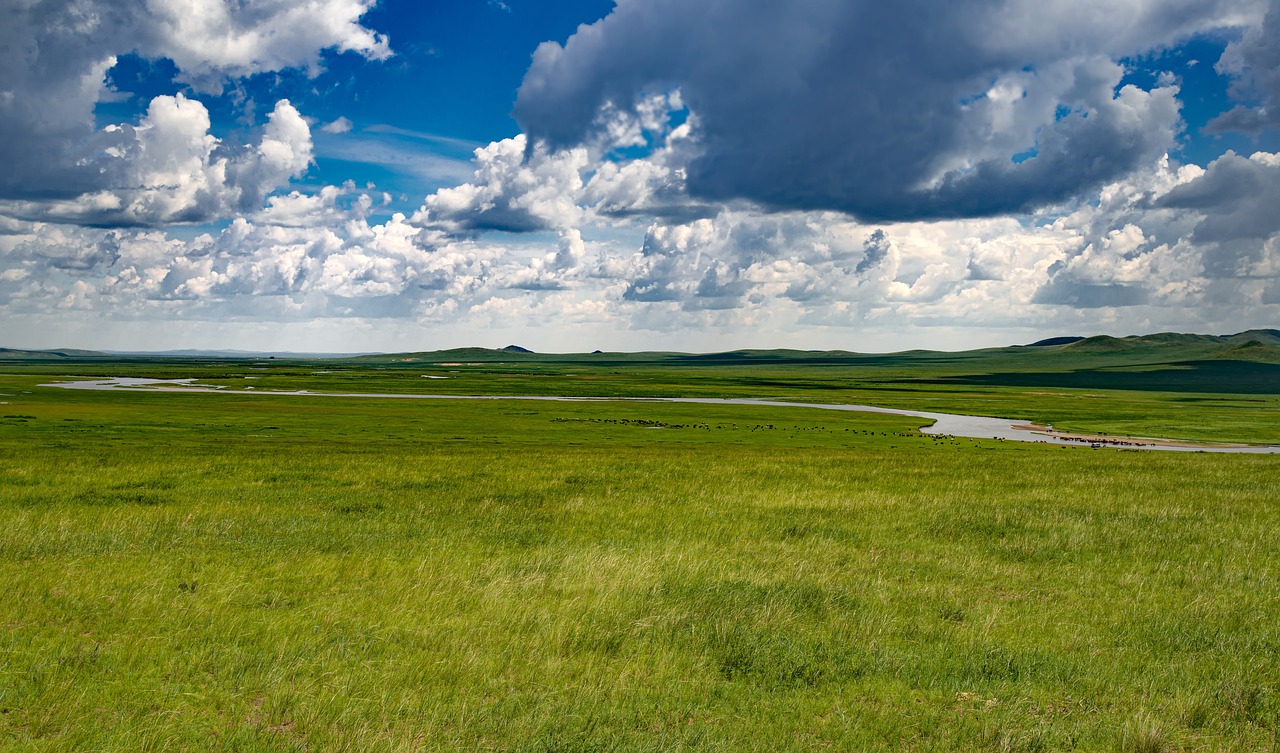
<point x="946" y="424"/>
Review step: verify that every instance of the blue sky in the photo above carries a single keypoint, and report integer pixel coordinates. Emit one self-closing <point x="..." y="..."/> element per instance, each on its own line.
<point x="351" y="175"/>
<point x="448" y="89"/>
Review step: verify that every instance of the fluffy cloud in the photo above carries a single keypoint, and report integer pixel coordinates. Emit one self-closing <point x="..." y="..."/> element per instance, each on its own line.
<point x="1236" y="198"/>
<point x="1129" y="258"/>
<point x="517" y="188"/>
<point x="1237" y="226"/>
<point x="340" y="125"/>
<point x="55" y="56"/>
<point x="1175" y="237"/>
<point x="169" y="169"/>
<point x="212" y="41"/>
<point x="302" y="255"/>
<point x="1254" y="61"/>
<point x="511" y="193"/>
<point x="885" y="112"/>
<point x="821" y="264"/>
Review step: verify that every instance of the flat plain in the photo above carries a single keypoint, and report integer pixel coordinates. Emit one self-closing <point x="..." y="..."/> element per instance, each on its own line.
<point x="245" y="571"/>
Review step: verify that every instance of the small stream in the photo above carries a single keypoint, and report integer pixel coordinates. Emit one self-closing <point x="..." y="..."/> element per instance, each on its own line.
<point x="945" y="424"/>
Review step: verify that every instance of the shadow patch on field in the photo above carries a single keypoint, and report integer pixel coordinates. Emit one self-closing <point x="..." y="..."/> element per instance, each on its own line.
<point x="1235" y="703"/>
<point x="1241" y="377"/>
<point x="150" y="493"/>
<point x="738" y="599"/>
<point x="775" y="659"/>
<point x="1022" y="536"/>
<point x="794" y="524"/>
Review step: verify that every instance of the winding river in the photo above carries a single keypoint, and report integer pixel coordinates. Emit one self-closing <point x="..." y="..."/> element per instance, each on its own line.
<point x="945" y="424"/>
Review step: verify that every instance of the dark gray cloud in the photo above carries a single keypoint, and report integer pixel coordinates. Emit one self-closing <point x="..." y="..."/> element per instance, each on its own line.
<point x="1237" y="201"/>
<point x="53" y="75"/>
<point x="1238" y="196"/>
<point x="979" y="272"/>
<point x="876" y="249"/>
<point x="1065" y="291"/>
<point x="885" y="111"/>
<point x="719" y="289"/>
<point x="1255" y="62"/>
<point x="60" y="250"/>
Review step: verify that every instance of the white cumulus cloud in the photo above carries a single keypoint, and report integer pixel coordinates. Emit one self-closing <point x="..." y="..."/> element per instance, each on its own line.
<point x="170" y="169"/>
<point x="55" y="56"/>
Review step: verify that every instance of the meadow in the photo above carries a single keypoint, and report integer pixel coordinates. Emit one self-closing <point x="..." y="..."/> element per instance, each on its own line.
<point x="254" y="572"/>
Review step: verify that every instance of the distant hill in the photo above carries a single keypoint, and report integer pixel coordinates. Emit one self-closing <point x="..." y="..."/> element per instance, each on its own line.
<point x="1254" y="350"/>
<point x="63" y="354"/>
<point x="1055" y="341"/>
<point x="1054" y="353"/>
<point x="232" y="354"/>
<point x="451" y="355"/>
<point x="1108" y="343"/>
<point x="1252" y="345"/>
<point x="1265" y="336"/>
<point x="1246" y="362"/>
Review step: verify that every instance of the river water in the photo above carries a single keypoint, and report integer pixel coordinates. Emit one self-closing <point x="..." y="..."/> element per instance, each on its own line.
<point x="945" y="424"/>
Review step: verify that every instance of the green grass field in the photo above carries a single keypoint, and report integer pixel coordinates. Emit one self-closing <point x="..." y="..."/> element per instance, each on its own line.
<point x="247" y="572"/>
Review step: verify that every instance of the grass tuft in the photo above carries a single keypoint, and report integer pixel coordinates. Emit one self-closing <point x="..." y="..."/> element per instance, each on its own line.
<point x="1142" y="735"/>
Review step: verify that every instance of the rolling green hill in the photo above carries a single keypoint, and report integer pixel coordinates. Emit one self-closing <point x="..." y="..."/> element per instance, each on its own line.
<point x="1259" y="345"/>
<point x="1243" y="363"/>
<point x="65" y="354"/>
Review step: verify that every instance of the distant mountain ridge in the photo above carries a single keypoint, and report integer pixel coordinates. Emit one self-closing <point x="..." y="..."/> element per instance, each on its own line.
<point x="1260" y="345"/>
<point x="1109" y="343"/>
<point x="1174" y="338"/>
<point x="48" y="355"/>
<point x="1242" y="363"/>
<point x="1050" y="342"/>
<point x="1260" y="340"/>
<point x="231" y="354"/>
<point x="1253" y="344"/>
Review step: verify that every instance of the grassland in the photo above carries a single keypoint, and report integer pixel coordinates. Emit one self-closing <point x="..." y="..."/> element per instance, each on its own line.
<point x="1187" y="391"/>
<point x="242" y="572"/>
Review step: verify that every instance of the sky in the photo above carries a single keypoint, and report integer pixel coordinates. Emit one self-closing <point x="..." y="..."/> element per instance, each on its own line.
<point x="695" y="175"/>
